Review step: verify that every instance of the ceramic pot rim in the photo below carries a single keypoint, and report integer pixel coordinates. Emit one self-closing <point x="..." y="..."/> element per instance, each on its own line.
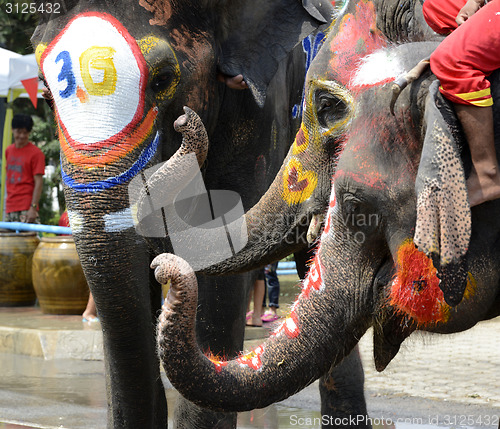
<point x="64" y="239"/>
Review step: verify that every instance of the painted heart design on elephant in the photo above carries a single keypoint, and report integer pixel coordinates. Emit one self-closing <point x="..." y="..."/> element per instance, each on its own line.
<point x="298" y="185"/>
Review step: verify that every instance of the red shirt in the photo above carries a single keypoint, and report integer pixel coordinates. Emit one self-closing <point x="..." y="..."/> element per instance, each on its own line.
<point x="22" y="165"/>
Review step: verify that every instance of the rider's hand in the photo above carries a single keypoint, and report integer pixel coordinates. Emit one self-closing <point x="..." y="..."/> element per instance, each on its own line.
<point x="470" y="8"/>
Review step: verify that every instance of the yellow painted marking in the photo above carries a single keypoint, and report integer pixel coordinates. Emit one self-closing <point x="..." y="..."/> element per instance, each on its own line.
<point x="100" y="58"/>
<point x="306" y="179"/>
<point x="39" y="52"/>
<point x="147" y="43"/>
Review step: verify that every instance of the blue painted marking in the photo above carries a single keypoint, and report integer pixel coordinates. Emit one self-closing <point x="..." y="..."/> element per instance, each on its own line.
<point x="311" y="45"/>
<point x="66" y="74"/>
<point x="146" y="155"/>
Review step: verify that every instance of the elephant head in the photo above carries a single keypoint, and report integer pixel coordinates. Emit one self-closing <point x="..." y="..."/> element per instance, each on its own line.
<point x="119" y="74"/>
<point x="399" y="181"/>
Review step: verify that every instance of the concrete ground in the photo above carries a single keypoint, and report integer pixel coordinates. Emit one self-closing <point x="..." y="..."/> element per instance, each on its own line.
<point x="51" y="376"/>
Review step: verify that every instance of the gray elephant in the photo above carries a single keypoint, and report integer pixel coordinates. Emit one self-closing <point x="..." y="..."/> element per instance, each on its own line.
<point x="400" y="248"/>
<point x="119" y="74"/>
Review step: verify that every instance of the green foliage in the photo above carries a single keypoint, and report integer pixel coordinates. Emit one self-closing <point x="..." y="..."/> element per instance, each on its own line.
<point x="16" y="27"/>
<point x="44" y="134"/>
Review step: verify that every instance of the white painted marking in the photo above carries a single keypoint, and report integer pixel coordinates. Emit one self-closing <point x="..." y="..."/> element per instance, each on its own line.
<point x="119" y="221"/>
<point x="75" y="221"/>
<point x="377" y="68"/>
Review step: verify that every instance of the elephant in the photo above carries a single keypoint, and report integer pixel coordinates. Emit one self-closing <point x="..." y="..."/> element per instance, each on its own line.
<point x="400" y="249"/>
<point x="119" y="74"/>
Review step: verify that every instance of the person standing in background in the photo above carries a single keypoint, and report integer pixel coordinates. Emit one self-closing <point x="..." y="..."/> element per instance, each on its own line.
<point x="273" y="293"/>
<point x="24" y="173"/>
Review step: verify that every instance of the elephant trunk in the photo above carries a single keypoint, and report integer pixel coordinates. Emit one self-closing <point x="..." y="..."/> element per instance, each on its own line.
<point x="164" y="181"/>
<point x="115" y="261"/>
<point x="298" y="352"/>
<point x="115" y="265"/>
<point x="286" y="219"/>
<point x="227" y="241"/>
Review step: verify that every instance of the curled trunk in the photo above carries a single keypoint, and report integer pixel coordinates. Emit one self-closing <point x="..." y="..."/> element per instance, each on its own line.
<point x="298" y="352"/>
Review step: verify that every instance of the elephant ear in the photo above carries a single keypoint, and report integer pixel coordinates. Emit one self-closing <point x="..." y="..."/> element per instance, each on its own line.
<point x="263" y="33"/>
<point x="443" y="226"/>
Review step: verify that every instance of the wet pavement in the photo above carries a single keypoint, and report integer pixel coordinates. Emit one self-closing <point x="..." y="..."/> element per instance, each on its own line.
<point x="51" y="376"/>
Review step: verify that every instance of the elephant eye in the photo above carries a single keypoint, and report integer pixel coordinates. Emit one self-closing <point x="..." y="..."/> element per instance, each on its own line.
<point x="162" y="81"/>
<point x="358" y="214"/>
<point x="350" y="204"/>
<point x="329" y="108"/>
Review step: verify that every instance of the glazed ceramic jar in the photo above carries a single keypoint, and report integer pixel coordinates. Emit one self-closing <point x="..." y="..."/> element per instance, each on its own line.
<point x="58" y="277"/>
<point x="16" y="254"/>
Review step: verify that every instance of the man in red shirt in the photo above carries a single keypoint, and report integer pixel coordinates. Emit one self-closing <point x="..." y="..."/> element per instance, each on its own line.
<point x="462" y="62"/>
<point x="25" y="170"/>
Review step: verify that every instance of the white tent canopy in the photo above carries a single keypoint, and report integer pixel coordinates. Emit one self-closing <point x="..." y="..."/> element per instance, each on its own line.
<point x="14" y="68"/>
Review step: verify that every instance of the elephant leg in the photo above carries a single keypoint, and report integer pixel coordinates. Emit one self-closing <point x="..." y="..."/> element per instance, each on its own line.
<point x="220" y="326"/>
<point x="341" y="388"/>
<point x="342" y="396"/>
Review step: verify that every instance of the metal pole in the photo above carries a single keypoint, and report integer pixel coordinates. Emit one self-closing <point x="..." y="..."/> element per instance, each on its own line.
<point x="7" y="140"/>
<point x="21" y="226"/>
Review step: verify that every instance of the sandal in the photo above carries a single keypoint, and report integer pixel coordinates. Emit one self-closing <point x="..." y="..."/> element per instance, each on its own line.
<point x="249" y="314"/>
<point x="269" y="317"/>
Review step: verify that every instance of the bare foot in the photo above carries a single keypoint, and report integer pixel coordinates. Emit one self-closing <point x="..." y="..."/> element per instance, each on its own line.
<point x="90" y="313"/>
<point x="233" y="82"/>
<point x="255" y="320"/>
<point x="484" y="187"/>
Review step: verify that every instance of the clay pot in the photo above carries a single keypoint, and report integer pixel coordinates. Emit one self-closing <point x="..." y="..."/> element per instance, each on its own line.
<point x="16" y="254"/>
<point x="58" y="277"/>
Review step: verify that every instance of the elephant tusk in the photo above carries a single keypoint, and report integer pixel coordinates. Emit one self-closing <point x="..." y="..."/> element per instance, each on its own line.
<point x="314" y="227"/>
<point x="402" y="82"/>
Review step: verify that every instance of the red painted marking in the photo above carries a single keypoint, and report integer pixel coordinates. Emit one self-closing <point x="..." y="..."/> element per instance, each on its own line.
<point x="82" y="95"/>
<point x="356" y="38"/>
<point x="300" y="138"/>
<point x="114" y="152"/>
<point x="314" y="279"/>
<point x="290" y="327"/>
<point x="252" y="359"/>
<point x="373" y="180"/>
<point x="294" y="184"/>
<point x="219" y="365"/>
<point x="415" y="288"/>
